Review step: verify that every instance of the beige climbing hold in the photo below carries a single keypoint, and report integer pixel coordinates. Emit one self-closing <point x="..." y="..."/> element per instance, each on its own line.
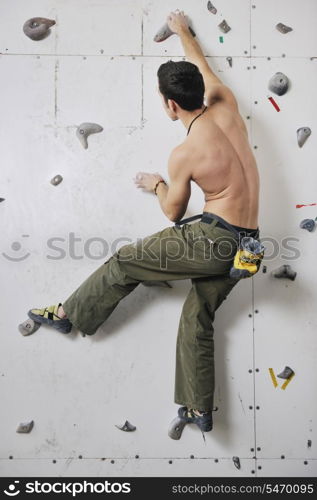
<point x="25" y="428"/>
<point x="85" y="130"/>
<point x="38" y="28"/>
<point x="28" y="327"/>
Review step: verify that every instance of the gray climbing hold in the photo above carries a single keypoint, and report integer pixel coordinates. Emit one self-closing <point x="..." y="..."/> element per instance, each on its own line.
<point x="127" y="427"/>
<point x="176" y="428"/>
<point x="28" y="327"/>
<point x="229" y="59"/>
<point x="211" y="8"/>
<point x="302" y="135"/>
<point x="224" y="27"/>
<point x="308" y="224"/>
<point x="85" y="130"/>
<point x="286" y="373"/>
<point x="282" y="28"/>
<point x="25" y="428"/>
<point x="236" y="461"/>
<point x="165" y="32"/>
<point x="285" y="271"/>
<point x="38" y="28"/>
<point x="309" y="443"/>
<point x="163" y="284"/>
<point x="2" y="199"/>
<point x="56" y="180"/>
<point x="279" y="83"/>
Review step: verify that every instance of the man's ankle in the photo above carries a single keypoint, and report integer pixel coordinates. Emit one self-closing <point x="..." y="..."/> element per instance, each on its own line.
<point x="61" y="313"/>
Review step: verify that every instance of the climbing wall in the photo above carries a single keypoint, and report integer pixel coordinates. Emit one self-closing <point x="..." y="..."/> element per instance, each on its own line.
<point x="98" y="64"/>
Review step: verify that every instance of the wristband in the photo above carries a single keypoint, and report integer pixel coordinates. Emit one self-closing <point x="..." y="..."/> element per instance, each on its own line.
<point x="156" y="185"/>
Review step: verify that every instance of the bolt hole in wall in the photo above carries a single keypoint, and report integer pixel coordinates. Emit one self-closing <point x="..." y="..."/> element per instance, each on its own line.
<point x="276" y="101"/>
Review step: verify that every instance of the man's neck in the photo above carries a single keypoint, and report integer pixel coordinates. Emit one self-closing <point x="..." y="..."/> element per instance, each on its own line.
<point x="186" y="117"/>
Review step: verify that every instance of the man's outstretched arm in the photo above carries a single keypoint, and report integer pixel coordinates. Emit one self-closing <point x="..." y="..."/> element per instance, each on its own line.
<point x="214" y="88"/>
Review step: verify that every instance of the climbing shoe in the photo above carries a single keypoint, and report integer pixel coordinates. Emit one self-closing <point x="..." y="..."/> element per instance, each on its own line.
<point x="188" y="416"/>
<point x="48" y="316"/>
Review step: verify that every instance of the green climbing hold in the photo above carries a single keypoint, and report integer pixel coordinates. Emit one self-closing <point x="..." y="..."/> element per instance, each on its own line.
<point x="221" y="39"/>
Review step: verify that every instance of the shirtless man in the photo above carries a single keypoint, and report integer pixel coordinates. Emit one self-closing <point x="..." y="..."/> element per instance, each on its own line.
<point x="215" y="155"/>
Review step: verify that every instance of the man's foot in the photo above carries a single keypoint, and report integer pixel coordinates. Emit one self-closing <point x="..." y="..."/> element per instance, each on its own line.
<point x="49" y="316"/>
<point x="199" y="417"/>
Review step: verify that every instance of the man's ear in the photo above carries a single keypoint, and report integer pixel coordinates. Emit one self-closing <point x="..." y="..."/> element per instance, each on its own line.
<point x="173" y="106"/>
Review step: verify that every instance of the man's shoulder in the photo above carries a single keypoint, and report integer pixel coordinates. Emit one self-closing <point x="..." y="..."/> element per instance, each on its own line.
<point x="180" y="152"/>
<point x="179" y="161"/>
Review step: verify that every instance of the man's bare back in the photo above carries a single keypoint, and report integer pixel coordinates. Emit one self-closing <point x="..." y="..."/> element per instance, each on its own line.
<point x="221" y="163"/>
<point x="216" y="154"/>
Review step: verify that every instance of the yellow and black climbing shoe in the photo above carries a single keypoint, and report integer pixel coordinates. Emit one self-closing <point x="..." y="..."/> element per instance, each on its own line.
<point x="48" y="316"/>
<point x="204" y="420"/>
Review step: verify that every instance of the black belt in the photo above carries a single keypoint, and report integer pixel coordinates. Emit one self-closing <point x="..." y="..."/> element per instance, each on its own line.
<point x="209" y="218"/>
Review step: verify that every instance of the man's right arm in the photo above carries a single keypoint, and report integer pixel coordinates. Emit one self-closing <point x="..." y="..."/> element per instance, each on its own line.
<point x="214" y="88"/>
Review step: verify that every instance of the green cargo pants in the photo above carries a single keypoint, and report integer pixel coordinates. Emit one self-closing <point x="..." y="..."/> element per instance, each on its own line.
<point x="200" y="251"/>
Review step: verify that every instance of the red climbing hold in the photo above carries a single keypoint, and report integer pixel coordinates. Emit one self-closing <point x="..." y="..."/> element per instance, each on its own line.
<point x="309" y="205"/>
<point x="274" y="103"/>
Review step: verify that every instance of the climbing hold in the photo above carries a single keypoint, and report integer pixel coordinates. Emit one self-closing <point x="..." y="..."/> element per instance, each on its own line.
<point x="165" y="32"/>
<point x="38" y="28"/>
<point x="211" y="8"/>
<point x="163" y="284"/>
<point x="286" y="373"/>
<point x="224" y="27"/>
<point x="236" y="461"/>
<point x="25" y="428"/>
<point x="279" y="83"/>
<point x="274" y="103"/>
<point x="264" y="269"/>
<point x="309" y="205"/>
<point x="127" y="427"/>
<point x="272" y="374"/>
<point x="56" y="180"/>
<point x="176" y="428"/>
<point x="309" y="443"/>
<point x="285" y="271"/>
<point x="2" y="199"/>
<point x="28" y="327"/>
<point x="85" y="130"/>
<point x="229" y="59"/>
<point x="282" y="28"/>
<point x="308" y="224"/>
<point x="302" y="135"/>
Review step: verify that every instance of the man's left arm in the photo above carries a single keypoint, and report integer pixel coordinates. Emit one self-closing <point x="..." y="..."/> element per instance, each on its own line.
<point x="174" y="198"/>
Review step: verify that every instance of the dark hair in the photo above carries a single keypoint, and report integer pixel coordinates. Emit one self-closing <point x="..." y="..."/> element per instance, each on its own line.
<point x="182" y="82"/>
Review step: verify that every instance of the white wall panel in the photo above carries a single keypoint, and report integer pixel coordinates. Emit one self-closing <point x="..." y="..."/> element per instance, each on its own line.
<point x="82" y="27"/>
<point x="268" y="41"/>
